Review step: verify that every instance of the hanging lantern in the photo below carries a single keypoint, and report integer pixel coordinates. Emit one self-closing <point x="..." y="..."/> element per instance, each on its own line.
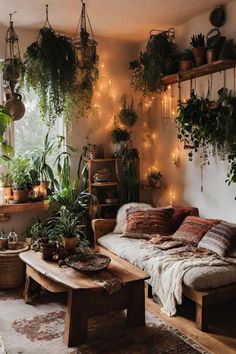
<point x="84" y="40"/>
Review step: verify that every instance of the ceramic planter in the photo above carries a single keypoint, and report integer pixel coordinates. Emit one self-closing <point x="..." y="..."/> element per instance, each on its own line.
<point x="15" y="106"/>
<point x="20" y="195"/>
<point x="69" y="243"/>
<point x="199" y="54"/>
<point x="212" y="55"/>
<point x="48" y="250"/>
<point x="43" y="187"/>
<point x="7" y="193"/>
<point x="3" y="243"/>
<point x="185" y="65"/>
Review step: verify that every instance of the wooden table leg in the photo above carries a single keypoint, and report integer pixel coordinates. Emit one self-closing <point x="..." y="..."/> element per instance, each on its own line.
<point x="76" y="318"/>
<point x="32" y="289"/>
<point x="136" y="306"/>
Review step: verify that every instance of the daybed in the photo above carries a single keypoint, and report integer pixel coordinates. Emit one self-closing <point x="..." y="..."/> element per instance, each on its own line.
<point x="205" y="285"/>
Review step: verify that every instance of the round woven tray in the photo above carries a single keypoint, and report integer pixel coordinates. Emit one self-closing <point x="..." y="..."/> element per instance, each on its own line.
<point x="12" y="269"/>
<point x="88" y="262"/>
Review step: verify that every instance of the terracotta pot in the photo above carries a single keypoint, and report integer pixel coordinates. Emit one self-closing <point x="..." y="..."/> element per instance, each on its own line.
<point x="15" y="106"/>
<point x="3" y="243"/>
<point x="185" y="65"/>
<point x="199" y="54"/>
<point x="48" y="250"/>
<point x="7" y="193"/>
<point x="212" y="55"/>
<point x="168" y="66"/>
<point x="20" y="196"/>
<point x="43" y="187"/>
<point x="69" y="243"/>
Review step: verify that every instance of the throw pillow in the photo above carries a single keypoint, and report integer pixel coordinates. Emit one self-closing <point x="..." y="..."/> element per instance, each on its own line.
<point x="220" y="238"/>
<point x="149" y="221"/>
<point x="193" y="229"/>
<point x="178" y="217"/>
<point x="121" y="219"/>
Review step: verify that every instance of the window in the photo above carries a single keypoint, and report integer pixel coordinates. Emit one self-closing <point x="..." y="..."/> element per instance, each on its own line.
<point x="28" y="133"/>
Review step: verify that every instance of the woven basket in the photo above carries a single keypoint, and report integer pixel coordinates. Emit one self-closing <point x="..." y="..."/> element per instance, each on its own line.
<point x="12" y="269"/>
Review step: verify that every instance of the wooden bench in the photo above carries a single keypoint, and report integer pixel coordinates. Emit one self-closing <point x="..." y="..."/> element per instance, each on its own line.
<point x="204" y="300"/>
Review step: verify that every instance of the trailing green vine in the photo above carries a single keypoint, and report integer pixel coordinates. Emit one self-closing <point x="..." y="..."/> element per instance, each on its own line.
<point x="210" y="127"/>
<point x="50" y="69"/>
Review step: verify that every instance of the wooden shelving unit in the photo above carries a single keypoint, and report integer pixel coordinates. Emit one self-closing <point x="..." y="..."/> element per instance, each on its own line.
<point x="101" y="188"/>
<point x="207" y="69"/>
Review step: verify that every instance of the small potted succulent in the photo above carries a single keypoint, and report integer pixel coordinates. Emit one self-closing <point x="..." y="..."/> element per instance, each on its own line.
<point x="199" y="49"/>
<point x="128" y="115"/>
<point x="19" y="170"/>
<point x="154" y="178"/>
<point x="6" y="182"/>
<point x="68" y="228"/>
<point x="186" y="60"/>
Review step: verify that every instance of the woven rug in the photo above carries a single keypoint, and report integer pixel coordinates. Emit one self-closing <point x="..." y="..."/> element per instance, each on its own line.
<point x="38" y="329"/>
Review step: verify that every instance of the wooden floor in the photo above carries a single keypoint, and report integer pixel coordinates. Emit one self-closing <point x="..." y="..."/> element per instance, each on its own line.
<point x="221" y="338"/>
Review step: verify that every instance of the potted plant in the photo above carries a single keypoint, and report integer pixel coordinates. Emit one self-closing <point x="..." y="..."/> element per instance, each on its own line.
<point x="19" y="170"/>
<point x="128" y="115"/>
<point x="157" y="59"/>
<point x="186" y="60"/>
<point x="68" y="228"/>
<point x="214" y="44"/>
<point x="129" y="173"/>
<point x="119" y="135"/>
<point x="228" y="51"/>
<point x="50" y="69"/>
<point x="199" y="49"/>
<point x="6" y="182"/>
<point x="3" y="240"/>
<point x="154" y="178"/>
<point x="12" y="69"/>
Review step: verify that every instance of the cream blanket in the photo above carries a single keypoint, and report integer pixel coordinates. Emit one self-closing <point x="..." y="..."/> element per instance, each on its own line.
<point x="167" y="271"/>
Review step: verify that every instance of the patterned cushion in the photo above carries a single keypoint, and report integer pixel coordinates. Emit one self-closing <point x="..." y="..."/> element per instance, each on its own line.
<point x="220" y="238"/>
<point x="193" y="229"/>
<point x="150" y="221"/>
<point x="178" y="217"/>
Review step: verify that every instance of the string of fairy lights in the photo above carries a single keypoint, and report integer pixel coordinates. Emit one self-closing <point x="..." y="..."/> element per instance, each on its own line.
<point x="107" y="93"/>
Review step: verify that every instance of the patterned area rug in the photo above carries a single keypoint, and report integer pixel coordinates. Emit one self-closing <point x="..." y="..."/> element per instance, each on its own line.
<point x="38" y="329"/>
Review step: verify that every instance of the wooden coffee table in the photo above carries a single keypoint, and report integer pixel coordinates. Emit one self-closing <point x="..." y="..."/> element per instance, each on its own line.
<point x="85" y="297"/>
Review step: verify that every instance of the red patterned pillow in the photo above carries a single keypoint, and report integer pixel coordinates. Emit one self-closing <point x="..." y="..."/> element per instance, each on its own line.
<point x="178" y="217"/>
<point x="193" y="229"/>
<point x="151" y="221"/>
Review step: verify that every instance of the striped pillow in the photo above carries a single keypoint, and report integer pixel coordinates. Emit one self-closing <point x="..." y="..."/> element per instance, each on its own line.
<point x="149" y="221"/>
<point x="220" y="238"/>
<point x="193" y="229"/>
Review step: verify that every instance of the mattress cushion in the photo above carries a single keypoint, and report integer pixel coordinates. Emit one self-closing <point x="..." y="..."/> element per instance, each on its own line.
<point x="140" y="251"/>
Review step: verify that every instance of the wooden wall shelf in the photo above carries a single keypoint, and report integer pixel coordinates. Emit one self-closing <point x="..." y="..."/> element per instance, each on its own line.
<point x="23" y="207"/>
<point x="207" y="69"/>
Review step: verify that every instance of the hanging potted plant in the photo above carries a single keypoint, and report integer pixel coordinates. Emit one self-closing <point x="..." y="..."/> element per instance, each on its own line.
<point x="128" y="116"/>
<point x="154" y="178"/>
<point x="199" y="49"/>
<point x="12" y="69"/>
<point x="119" y="137"/>
<point x="19" y="170"/>
<point x="50" y="69"/>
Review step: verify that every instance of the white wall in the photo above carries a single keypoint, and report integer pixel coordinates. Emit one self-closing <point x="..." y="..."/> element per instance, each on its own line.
<point x="217" y="198"/>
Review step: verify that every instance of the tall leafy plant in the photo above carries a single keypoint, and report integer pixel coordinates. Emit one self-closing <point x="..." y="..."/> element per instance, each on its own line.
<point x="5" y="120"/>
<point x="50" y="69"/>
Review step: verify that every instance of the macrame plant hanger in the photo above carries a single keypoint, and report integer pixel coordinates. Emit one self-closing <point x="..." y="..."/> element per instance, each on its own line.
<point x="84" y="39"/>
